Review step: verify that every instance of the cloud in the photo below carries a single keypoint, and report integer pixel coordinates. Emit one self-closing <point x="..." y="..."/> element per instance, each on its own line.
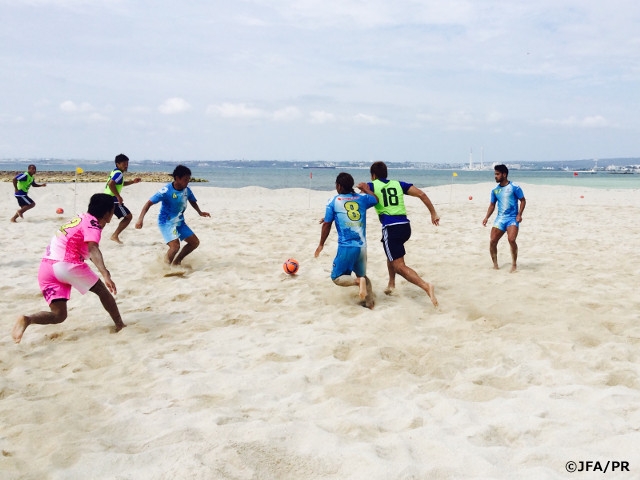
<point x="6" y="120"/>
<point x="322" y="117"/>
<point x="71" y="107"/>
<point x="286" y="114"/>
<point x="173" y="106"/>
<point x="236" y="110"/>
<point x="593" y="121"/>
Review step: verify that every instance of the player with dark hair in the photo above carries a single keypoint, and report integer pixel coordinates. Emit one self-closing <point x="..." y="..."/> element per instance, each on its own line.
<point x="396" y="229"/>
<point x="21" y="184"/>
<point x="349" y="211"/>
<point x="63" y="266"/>
<point x="174" y="197"/>
<point x="114" y="186"/>
<point x="506" y="195"/>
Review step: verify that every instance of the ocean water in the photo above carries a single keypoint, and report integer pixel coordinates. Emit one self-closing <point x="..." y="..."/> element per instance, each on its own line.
<point x="323" y="179"/>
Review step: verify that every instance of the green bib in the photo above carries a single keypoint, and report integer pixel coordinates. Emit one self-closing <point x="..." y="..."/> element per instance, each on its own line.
<point x="390" y="197"/>
<point x="25" y="184"/>
<point x="107" y="190"/>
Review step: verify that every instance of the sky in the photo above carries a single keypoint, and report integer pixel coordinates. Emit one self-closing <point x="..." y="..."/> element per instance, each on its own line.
<point x="320" y="80"/>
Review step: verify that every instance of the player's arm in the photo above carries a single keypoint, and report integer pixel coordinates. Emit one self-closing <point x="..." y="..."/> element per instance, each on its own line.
<point x="492" y="207"/>
<point x="143" y="212"/>
<point x="34" y="184"/>
<point x="15" y="182"/>
<point x="364" y="188"/>
<point x="523" y="203"/>
<point x="131" y="182"/>
<point x="98" y="261"/>
<point x="416" y="192"/>
<point x="195" y="206"/>
<point x="324" y="234"/>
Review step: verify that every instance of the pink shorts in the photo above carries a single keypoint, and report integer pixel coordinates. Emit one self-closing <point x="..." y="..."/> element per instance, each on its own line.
<point x="57" y="278"/>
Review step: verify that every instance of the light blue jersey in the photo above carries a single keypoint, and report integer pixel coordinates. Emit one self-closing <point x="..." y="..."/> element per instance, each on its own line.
<point x="507" y="199"/>
<point x="349" y="212"/>
<point x="174" y="203"/>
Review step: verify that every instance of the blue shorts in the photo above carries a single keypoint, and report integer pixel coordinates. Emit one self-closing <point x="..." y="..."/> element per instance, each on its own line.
<point x="350" y="259"/>
<point x="171" y="232"/>
<point x="502" y="223"/>
<point x="393" y="239"/>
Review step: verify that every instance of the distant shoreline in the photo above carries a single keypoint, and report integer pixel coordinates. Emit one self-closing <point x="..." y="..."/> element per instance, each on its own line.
<point x="57" y="176"/>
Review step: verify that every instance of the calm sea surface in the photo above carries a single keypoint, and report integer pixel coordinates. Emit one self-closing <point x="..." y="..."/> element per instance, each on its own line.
<point x="324" y="178"/>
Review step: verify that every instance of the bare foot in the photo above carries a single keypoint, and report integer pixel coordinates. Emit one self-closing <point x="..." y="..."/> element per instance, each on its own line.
<point x="389" y="290"/>
<point x="513" y="268"/>
<point x="18" y="329"/>
<point x="369" y="300"/>
<point x="115" y="238"/>
<point x="14" y="219"/>
<point x="120" y="326"/>
<point x="496" y="267"/>
<point x="363" y="287"/>
<point x="432" y="294"/>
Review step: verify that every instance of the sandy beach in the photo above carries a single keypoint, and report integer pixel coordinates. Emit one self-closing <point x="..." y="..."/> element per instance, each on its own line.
<point x="236" y="370"/>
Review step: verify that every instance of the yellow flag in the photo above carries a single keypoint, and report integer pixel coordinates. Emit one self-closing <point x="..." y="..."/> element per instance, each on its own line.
<point x="455" y="174"/>
<point x="79" y="170"/>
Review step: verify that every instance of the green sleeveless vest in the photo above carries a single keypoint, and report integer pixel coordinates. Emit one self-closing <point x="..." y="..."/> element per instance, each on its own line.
<point x="107" y="190"/>
<point x="390" y="198"/>
<point x="25" y="184"/>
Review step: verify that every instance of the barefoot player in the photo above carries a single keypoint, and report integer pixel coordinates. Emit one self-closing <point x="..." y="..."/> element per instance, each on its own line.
<point x="21" y="184"/>
<point x="349" y="211"/>
<point x="174" y="197"/>
<point x="396" y="229"/>
<point x="63" y="266"/>
<point x="506" y="195"/>
<point x="114" y="188"/>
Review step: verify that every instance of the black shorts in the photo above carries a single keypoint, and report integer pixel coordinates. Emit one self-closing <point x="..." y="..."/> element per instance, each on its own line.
<point x="394" y="238"/>
<point x="120" y="210"/>
<point x="24" y="200"/>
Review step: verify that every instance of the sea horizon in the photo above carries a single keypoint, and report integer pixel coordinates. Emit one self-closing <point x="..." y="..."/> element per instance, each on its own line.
<point x="321" y="175"/>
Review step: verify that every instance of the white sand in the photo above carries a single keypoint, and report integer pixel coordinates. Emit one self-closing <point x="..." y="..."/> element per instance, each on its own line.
<point x="238" y="371"/>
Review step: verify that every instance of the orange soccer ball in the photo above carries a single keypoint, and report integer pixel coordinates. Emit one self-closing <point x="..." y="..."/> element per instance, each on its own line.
<point x="59" y="211"/>
<point x="291" y="266"/>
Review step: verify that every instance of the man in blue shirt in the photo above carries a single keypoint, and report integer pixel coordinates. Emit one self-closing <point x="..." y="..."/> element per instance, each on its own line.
<point x="174" y="197"/>
<point x="506" y="195"/>
<point x="348" y="210"/>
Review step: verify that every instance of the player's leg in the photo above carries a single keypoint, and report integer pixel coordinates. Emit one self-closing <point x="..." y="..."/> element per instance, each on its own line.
<point x="25" y="203"/>
<point x="109" y="303"/>
<point x="410" y="275"/>
<point x="390" y="246"/>
<point x="512" y="234"/>
<point x="192" y="242"/>
<point x="57" y="314"/>
<point x="123" y="213"/>
<point x="496" y="235"/>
